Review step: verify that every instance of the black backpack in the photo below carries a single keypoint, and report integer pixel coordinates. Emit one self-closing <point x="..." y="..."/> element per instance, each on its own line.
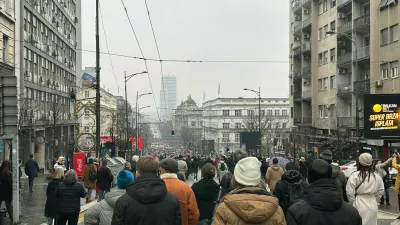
<point x="223" y="167"/>
<point x="295" y="192"/>
<point x="93" y="174"/>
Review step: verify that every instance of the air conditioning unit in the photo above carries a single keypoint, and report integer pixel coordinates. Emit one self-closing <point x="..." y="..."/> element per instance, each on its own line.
<point x="306" y="36"/>
<point x="306" y="57"/>
<point x="297" y="18"/>
<point x="306" y="83"/>
<point x="297" y="38"/>
<point x="379" y="83"/>
<point x="342" y="71"/>
<point x="306" y="11"/>
<point x="341" y="16"/>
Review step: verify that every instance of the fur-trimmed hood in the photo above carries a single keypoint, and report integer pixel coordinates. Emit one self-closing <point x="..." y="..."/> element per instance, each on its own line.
<point x="169" y="176"/>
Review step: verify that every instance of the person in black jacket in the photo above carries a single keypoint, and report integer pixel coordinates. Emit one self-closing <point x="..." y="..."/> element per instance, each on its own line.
<point x="6" y="187"/>
<point x="51" y="207"/>
<point x="322" y="203"/>
<point x="303" y="167"/>
<point x="264" y="167"/>
<point x="104" y="178"/>
<point x="147" y="200"/>
<point x="31" y="170"/>
<point x="290" y="177"/>
<point x="206" y="192"/>
<point x="68" y="194"/>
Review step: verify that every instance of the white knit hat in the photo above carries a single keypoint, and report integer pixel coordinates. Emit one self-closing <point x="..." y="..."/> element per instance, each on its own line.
<point x="365" y="159"/>
<point x="247" y="171"/>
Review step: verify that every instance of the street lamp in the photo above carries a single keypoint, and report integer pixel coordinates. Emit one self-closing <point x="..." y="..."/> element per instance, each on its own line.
<point x="137" y="117"/>
<point x="258" y="93"/>
<point x="126" y="78"/>
<point x="352" y="39"/>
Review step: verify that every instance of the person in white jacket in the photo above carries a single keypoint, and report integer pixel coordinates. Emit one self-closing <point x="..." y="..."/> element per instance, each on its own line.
<point x="364" y="190"/>
<point x="60" y="163"/>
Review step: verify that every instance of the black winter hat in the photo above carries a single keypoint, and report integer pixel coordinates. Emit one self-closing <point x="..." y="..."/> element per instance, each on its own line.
<point x="319" y="169"/>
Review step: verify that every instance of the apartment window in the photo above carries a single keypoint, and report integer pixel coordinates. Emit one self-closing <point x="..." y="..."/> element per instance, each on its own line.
<point x="238" y="112"/>
<point x="277" y="112"/>
<point x="283" y="125"/>
<point x="225" y="137"/>
<point x="326" y="83"/>
<point x="326" y="30"/>
<point x="225" y="125"/>
<point x="237" y="137"/>
<point x="394" y="33"/>
<point x="320" y="8"/>
<point x="269" y="112"/>
<point x="333" y="3"/>
<point x="325" y="5"/>
<point x="320" y="33"/>
<point x="333" y="54"/>
<point x="385" y="70"/>
<point x="5" y="49"/>
<point x="394" y="69"/>
<point x="325" y="57"/>
<point x="250" y="112"/>
<point x="320" y="60"/>
<point x="333" y="82"/>
<point x="327" y="111"/>
<point x="291" y="112"/>
<point x="225" y="112"/>
<point x="238" y="125"/>
<point x="86" y="129"/>
<point x="284" y="112"/>
<point x="321" y="111"/>
<point x="333" y="25"/>
<point x="320" y="85"/>
<point x="384" y="36"/>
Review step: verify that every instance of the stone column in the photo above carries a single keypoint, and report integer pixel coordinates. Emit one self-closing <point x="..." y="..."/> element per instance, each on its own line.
<point x="41" y="152"/>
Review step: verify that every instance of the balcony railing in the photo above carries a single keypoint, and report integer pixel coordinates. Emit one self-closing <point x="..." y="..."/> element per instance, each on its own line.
<point x="362" y="53"/>
<point x="296" y="74"/>
<point x="297" y="96"/>
<point x="345" y="121"/>
<point x="343" y="2"/>
<point x="307" y="94"/>
<point x="344" y="89"/>
<point x="345" y="28"/>
<point x="362" y="21"/>
<point x="307" y="120"/>
<point x="306" y="71"/>
<point x="297" y="5"/>
<point x="297" y="51"/>
<point x="297" y="28"/>
<point x="343" y="59"/>
<point x="307" y="22"/>
<point x="306" y="47"/>
<point x="362" y="86"/>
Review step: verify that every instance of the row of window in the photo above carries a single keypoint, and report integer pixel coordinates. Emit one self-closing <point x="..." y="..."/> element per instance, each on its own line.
<point x="226" y="136"/>
<point x="41" y="115"/>
<point x="41" y="71"/>
<point x="269" y="125"/>
<point x="390" y="34"/>
<point x="323" y="83"/>
<point x="30" y="93"/>
<point x="323" y="5"/>
<point x="326" y="111"/>
<point x="322" y="32"/>
<point x="390" y="67"/>
<point x="239" y="112"/>
<point x="324" y="58"/>
<point x="6" y="49"/>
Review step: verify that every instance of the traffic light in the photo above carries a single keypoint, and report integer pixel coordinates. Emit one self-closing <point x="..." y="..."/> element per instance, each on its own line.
<point x="172" y="133"/>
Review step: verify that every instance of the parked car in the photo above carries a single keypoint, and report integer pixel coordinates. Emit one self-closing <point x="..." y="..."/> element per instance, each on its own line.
<point x="349" y="168"/>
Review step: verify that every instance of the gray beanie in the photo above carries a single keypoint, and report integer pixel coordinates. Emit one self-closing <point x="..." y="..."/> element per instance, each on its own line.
<point x="326" y="155"/>
<point x="365" y="159"/>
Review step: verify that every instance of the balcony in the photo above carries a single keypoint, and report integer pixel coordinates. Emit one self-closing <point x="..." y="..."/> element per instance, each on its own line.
<point x="297" y="6"/>
<point x="307" y="95"/>
<point x="297" y="120"/>
<point x="297" y="96"/>
<point x="297" y="28"/>
<point x="306" y="72"/>
<point x="297" y="51"/>
<point x="307" y="120"/>
<point x="362" y="53"/>
<point x="307" y="22"/>
<point x="342" y="3"/>
<point x="344" y="89"/>
<point x="345" y="28"/>
<point x="306" y="47"/>
<point x="345" y="121"/>
<point x="362" y="86"/>
<point x="361" y="24"/>
<point x="296" y="74"/>
<point x="344" y="59"/>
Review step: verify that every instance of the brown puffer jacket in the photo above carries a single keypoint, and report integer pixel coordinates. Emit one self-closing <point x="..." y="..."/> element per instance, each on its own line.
<point x="251" y="205"/>
<point x="274" y="173"/>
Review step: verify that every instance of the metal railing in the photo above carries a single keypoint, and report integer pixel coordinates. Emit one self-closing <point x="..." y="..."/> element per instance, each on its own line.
<point x="362" y="52"/>
<point x="296" y="74"/>
<point x="343" y="59"/>
<point x="297" y="51"/>
<point x="343" y="2"/>
<point x="297" y="5"/>
<point x="306" y="46"/>
<point x="345" y="28"/>
<point x="297" y="96"/>
<point x="307" y="94"/>
<point x="344" y="88"/>
<point x="297" y="28"/>
<point x="362" y="86"/>
<point x="345" y="121"/>
<point x="306" y="71"/>
<point x="307" y="22"/>
<point x="362" y="21"/>
<point x="307" y="120"/>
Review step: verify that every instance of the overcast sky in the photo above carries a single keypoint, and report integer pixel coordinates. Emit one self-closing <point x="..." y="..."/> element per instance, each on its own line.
<point x="195" y="30"/>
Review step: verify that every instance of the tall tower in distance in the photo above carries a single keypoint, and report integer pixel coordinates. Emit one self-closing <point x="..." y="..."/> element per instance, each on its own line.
<point x="167" y="97"/>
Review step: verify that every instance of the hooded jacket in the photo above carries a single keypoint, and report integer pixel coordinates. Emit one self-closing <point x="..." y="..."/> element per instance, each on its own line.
<point x="250" y="205"/>
<point x="322" y="204"/>
<point x="102" y="212"/>
<point x="206" y="192"/>
<point x="51" y="207"/>
<point x="68" y="194"/>
<point x="147" y="201"/>
<point x="274" y="173"/>
<point x="282" y="187"/>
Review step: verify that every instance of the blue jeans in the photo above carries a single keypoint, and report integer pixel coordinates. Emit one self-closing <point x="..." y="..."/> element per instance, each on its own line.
<point x="386" y="195"/>
<point x="101" y="195"/>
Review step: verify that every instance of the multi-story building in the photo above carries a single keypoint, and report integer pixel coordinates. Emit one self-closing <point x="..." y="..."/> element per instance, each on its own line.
<point x="340" y="50"/>
<point x="225" y="118"/>
<point x="7" y="65"/>
<point x="167" y="97"/>
<point x="49" y="63"/>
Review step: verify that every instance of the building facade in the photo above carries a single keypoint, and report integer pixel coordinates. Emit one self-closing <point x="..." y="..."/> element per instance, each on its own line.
<point x="340" y="50"/>
<point x="167" y="97"/>
<point x="224" y="119"/>
<point x="49" y="63"/>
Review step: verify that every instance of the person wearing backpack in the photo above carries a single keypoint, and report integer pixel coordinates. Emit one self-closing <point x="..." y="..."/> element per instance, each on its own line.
<point x="89" y="179"/>
<point x="221" y="169"/>
<point x="290" y="188"/>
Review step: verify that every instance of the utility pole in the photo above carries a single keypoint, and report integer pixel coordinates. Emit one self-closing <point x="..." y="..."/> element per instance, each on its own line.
<point x="357" y="106"/>
<point x="98" y="147"/>
<point x="259" y="118"/>
<point x="136" y="125"/>
<point x="126" y="114"/>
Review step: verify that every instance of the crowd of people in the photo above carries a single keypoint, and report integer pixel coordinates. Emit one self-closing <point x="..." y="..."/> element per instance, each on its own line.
<point x="231" y="190"/>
